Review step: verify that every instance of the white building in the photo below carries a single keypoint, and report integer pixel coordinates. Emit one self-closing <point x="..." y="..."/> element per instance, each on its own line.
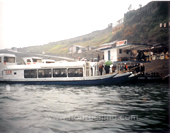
<point x="80" y="49"/>
<point x="75" y="49"/>
<point x="117" y="53"/>
<point x="122" y="51"/>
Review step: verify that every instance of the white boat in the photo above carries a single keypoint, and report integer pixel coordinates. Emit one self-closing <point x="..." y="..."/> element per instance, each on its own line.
<point x="59" y="73"/>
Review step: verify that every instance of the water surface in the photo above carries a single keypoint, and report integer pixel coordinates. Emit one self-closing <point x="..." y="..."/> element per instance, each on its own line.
<point x="81" y="109"/>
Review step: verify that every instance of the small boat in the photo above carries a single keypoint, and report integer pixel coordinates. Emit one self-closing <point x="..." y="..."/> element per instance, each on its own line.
<point x="57" y="73"/>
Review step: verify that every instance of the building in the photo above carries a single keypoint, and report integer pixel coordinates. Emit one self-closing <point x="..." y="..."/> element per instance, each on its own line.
<point x="14" y="49"/>
<point x="122" y="51"/>
<point x="80" y="49"/>
<point x="89" y="48"/>
<point x="75" y="49"/>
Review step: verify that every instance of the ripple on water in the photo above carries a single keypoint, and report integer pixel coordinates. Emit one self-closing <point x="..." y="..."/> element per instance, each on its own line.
<point x="43" y="108"/>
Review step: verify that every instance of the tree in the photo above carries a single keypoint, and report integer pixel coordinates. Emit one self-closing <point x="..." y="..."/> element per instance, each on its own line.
<point x="130" y="7"/>
<point x="140" y="5"/>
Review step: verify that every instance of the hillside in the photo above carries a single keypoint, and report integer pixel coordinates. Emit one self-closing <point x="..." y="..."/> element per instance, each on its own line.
<point x="140" y="26"/>
<point x="143" y="25"/>
<point x="61" y="47"/>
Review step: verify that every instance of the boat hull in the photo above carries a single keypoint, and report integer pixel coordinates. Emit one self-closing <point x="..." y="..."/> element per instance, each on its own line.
<point x="109" y="80"/>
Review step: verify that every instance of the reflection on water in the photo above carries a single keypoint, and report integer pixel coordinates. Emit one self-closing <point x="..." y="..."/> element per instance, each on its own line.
<point x="40" y="108"/>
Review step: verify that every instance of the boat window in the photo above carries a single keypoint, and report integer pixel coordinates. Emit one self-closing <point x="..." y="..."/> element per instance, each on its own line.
<point x="75" y="72"/>
<point x="49" y="62"/>
<point x="28" y="60"/>
<point x="44" y="73"/>
<point x="120" y="51"/>
<point x="37" y="60"/>
<point x="9" y="59"/>
<point x="30" y="73"/>
<point x="60" y="72"/>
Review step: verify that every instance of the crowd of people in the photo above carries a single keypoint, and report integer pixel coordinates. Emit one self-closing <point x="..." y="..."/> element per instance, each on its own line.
<point x="135" y="68"/>
<point x="106" y="68"/>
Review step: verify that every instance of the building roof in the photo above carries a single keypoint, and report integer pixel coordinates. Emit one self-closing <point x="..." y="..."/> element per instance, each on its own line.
<point x="106" y="45"/>
<point x="110" y="43"/>
<point x="133" y="45"/>
<point x="4" y="54"/>
<point x="77" y="46"/>
<point x="32" y="57"/>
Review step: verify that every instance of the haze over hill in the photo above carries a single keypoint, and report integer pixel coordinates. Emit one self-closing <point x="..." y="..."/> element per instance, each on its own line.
<point x="61" y="47"/>
<point x="140" y="26"/>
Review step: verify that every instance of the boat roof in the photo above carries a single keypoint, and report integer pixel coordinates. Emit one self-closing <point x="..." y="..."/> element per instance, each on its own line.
<point x="5" y="54"/>
<point x="17" y="67"/>
<point x="79" y="64"/>
<point x="47" y="60"/>
<point x="133" y="45"/>
<point x="32" y="58"/>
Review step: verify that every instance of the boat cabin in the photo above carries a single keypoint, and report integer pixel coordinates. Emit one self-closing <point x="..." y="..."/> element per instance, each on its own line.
<point x="10" y="71"/>
<point x="51" y="70"/>
<point x="32" y="60"/>
<point x="6" y="60"/>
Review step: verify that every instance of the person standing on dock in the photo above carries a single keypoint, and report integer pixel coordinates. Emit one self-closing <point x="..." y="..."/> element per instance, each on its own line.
<point x="113" y="68"/>
<point x="142" y="68"/>
<point x="125" y="67"/>
<point x="101" y="69"/>
<point x="137" y="68"/>
<point x="130" y="67"/>
<point x="98" y="57"/>
<point x="107" y="69"/>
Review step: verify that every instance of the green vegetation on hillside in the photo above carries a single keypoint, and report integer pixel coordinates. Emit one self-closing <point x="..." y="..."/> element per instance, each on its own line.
<point x="95" y="38"/>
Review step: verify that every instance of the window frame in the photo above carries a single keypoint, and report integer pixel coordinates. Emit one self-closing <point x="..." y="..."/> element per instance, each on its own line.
<point x="64" y="69"/>
<point x="6" y="60"/>
<point x="73" y="74"/>
<point x="120" y="51"/>
<point x="37" y="60"/>
<point x="45" y="73"/>
<point x="31" y="70"/>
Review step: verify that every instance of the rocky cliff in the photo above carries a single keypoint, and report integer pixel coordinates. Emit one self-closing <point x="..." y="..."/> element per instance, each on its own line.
<point x="143" y="25"/>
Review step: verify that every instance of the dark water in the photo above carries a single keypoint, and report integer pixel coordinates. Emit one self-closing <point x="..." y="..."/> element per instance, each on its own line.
<point x="78" y="109"/>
